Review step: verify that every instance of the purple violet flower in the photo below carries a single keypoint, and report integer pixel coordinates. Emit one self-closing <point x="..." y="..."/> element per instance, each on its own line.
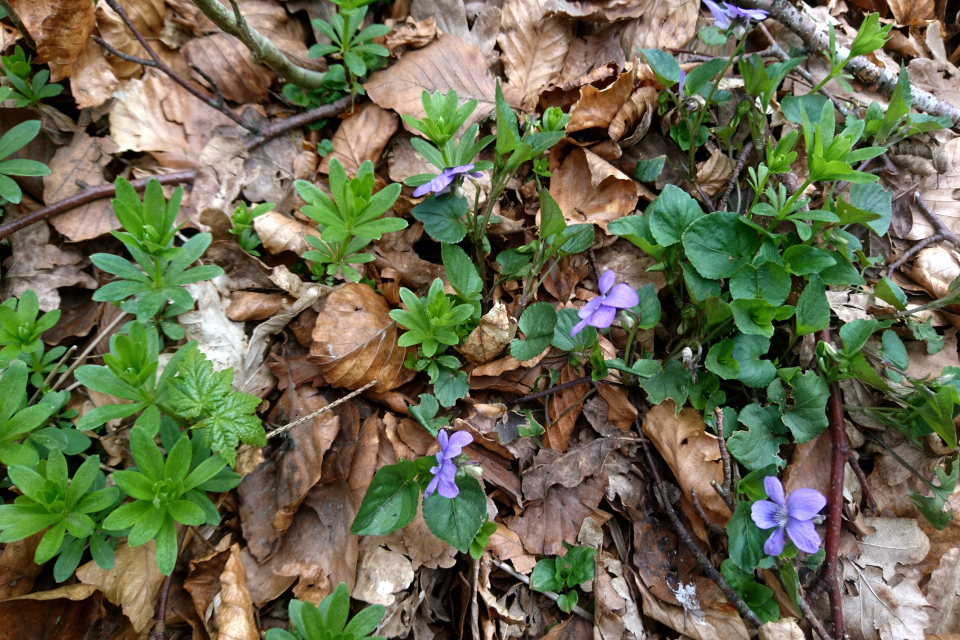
<point x="683" y="81"/>
<point x="601" y="311"/>
<point x="725" y="15"/>
<point x="445" y="472"/>
<point x="443" y="181"/>
<point x="795" y="515"/>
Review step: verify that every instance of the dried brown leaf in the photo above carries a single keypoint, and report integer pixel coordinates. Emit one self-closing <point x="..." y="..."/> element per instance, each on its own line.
<point x="896" y="541"/>
<point x="876" y="611"/>
<point x="446" y="63"/>
<point x="590" y="189"/>
<point x="568" y="469"/>
<point x="486" y="342"/>
<point x="564" y="407"/>
<point x="600" y="50"/>
<point x="451" y="17"/>
<point x="534" y="50"/>
<point x="93" y="81"/>
<point x="67" y="613"/>
<point x="597" y="108"/>
<point x="661" y="24"/>
<point x="717" y="622"/>
<point x="278" y="233"/>
<point x="360" y="137"/>
<point x="547" y="523"/>
<point x="380" y="574"/>
<point x="355" y="341"/>
<point x="943" y="592"/>
<point x="60" y="29"/>
<point x="691" y="453"/>
<point x="17" y="568"/>
<point x="81" y="162"/>
<point x="229" y="63"/>
<point x="912" y="13"/>
<point x="224" y="576"/>
<point x="409" y="33"/>
<point x="506" y="544"/>
<point x="714" y="173"/>
<point x="132" y="584"/>
<point x="147" y="16"/>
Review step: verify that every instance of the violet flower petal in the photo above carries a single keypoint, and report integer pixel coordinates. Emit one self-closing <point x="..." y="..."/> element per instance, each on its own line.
<point x="683" y="81"/>
<point x="765" y="514"/>
<point x="436" y="185"/>
<point x="577" y="328"/>
<point x="803" y="504"/>
<point x="448" y="487"/>
<point x="458" y="441"/>
<point x="591" y="307"/>
<point x="774" y="544"/>
<point x="461" y="169"/>
<point x="433" y="483"/>
<point x="443" y="437"/>
<point x="622" y="296"/>
<point x="603" y="317"/>
<point x="606" y="281"/>
<point x="803" y="534"/>
<point x="721" y="18"/>
<point x="774" y="489"/>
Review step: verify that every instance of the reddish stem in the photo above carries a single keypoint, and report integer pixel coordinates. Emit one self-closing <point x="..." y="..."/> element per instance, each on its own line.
<point x="841" y="450"/>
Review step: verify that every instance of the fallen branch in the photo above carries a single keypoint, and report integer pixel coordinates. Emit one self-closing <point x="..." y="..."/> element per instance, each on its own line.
<point x="867" y="72"/>
<point x="281" y="430"/>
<point x="935" y="220"/>
<point x="262" y="48"/>
<point x="742" y="160"/>
<point x="108" y="190"/>
<point x="157" y="63"/>
<point x="914" y="250"/>
<point x="841" y="451"/>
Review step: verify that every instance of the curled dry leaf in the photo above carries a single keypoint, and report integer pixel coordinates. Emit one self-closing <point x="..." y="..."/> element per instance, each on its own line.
<point x="81" y="162"/>
<point x="486" y="342"/>
<point x="633" y="118"/>
<point x="60" y="28"/>
<point x="874" y="610"/>
<point x="568" y="469"/>
<point x="590" y="189"/>
<point x="355" y="341"/>
<point x="409" y="33"/>
<point x="360" y="137"/>
<point x="506" y="544"/>
<point x="219" y="180"/>
<point x="534" y="49"/>
<point x="132" y="584"/>
<point x="617" y="614"/>
<point x="218" y="585"/>
<point x="380" y="574"/>
<point x="661" y="24"/>
<point x="782" y="629"/>
<point x="147" y="16"/>
<point x="155" y="115"/>
<point x="943" y="592"/>
<point x="250" y="305"/>
<point x="597" y="108"/>
<point x="451" y="17"/>
<point x="278" y="233"/>
<point x="36" y="264"/>
<point x="430" y="69"/>
<point x="692" y="454"/>
<point x="937" y="191"/>
<point x="717" y="622"/>
<point x="67" y="613"/>
<point x="912" y="14"/>
<point x="556" y="518"/>
<point x="714" y="173"/>
<point x="564" y="407"/>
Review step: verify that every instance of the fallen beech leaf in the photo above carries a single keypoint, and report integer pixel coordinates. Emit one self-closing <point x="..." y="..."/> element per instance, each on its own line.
<point x="782" y="629"/>
<point x="60" y="29"/>
<point x="222" y="577"/>
<point x="597" y="10"/>
<point x="156" y="115"/>
<point x="897" y="541"/>
<point x="415" y="272"/>
<point x="488" y="341"/>
<point x="92" y="82"/>
<point x="451" y="17"/>
<point x="937" y="191"/>
<point x="67" y="613"/>
<point x="147" y="16"/>
<point x="217" y="185"/>
<point x="912" y="14"/>
<point x="229" y="63"/>
<point x="564" y="407"/>
<point x="381" y="574"/>
<point x="430" y="69"/>
<point x="271" y="494"/>
<point x="82" y="161"/>
<point x="410" y="32"/>
<point x="43" y="267"/>
<point x="714" y="173"/>
<point x="810" y="465"/>
<point x="661" y="24"/>
<point x="633" y="118"/>
<point x="251" y="305"/>
<point x="418" y="543"/>
<point x="601" y="50"/>
<point x="17" y="568"/>
<point x="355" y="341"/>
<point x="568" y="469"/>
<point x="534" y="49"/>
<point x="692" y="454"/>
<point x="616" y="611"/>
<point x="549" y="522"/>
<point x="590" y="189"/>
<point x="132" y="584"/>
<point x="279" y="233"/>
<point x="222" y="340"/>
<point x="718" y="622"/>
<point x="360" y="137"/>
<point x="597" y="108"/>
<point x="943" y="592"/>
<point x="876" y="611"/>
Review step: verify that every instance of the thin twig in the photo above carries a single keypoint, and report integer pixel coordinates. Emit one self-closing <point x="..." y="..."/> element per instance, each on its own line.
<point x="159" y="64"/>
<point x="15" y="19"/>
<point x="684" y="536"/>
<point x="160" y="630"/>
<point x="583" y="613"/>
<point x="596" y="266"/>
<point x="724" y="490"/>
<point x="841" y="449"/>
<point x="281" y="430"/>
<point x="804" y="607"/>
<point x="742" y="160"/>
<point x="46" y="381"/>
<point x="90" y="347"/>
<point x="862" y="478"/>
<point x="563" y="386"/>
<point x="935" y="220"/>
<point x="912" y="251"/>
<point x="108" y="190"/>
<point x="710" y="524"/>
<point x="707" y="201"/>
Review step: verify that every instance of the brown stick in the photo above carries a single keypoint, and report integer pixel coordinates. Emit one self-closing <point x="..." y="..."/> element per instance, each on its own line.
<point x="107" y="190"/>
<point x="159" y="64"/>
<point x="914" y="250"/>
<point x="862" y="479"/>
<point x="742" y="160"/>
<point x="935" y="220"/>
<point x="160" y="629"/>
<point x="867" y="72"/>
<point x="684" y="536"/>
<point x="713" y="526"/>
<point x="15" y="19"/>
<point x="841" y="450"/>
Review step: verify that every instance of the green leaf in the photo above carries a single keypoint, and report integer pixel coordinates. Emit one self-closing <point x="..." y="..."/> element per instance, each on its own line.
<point x="508" y="135"/>
<point x="551" y="217"/>
<point x="855" y="334"/>
<point x="18" y="136"/>
<point x="231" y="421"/>
<point x="719" y="244"/>
<point x="582" y="341"/>
<point x="801" y="260"/>
<point x="672" y="213"/>
<point x="425" y="414"/>
<point x="811" y="102"/>
<point x="441" y="215"/>
<point x="664" y="66"/>
<point x="460" y="271"/>
<point x="636" y="229"/>
<point x="673" y="382"/>
<point x="754" y="317"/>
<point x="451" y="386"/>
<point x="893" y="350"/>
<point x="544" y="576"/>
<point x="888" y="291"/>
<point x="457" y="521"/>
<point x="578" y="565"/>
<point x="197" y="389"/>
<point x="749" y="350"/>
<point x="807" y="418"/>
<point x="720" y="360"/>
<point x="700" y="288"/>
<point x="649" y="170"/>
<point x="746" y="539"/>
<point x="390" y="502"/>
<point x="769" y="282"/>
<point x="537" y="324"/>
<point x="648" y="308"/>
<point x="759" y="446"/>
<point x="813" y="309"/>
